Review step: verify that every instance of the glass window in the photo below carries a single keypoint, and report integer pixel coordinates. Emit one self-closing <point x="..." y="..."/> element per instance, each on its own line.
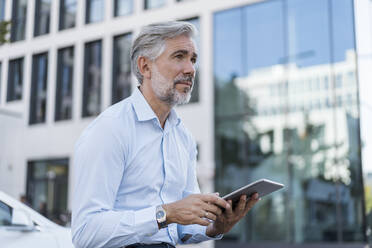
<point x="273" y="54"/>
<point x="42" y="17"/>
<point x="1" y="85"/>
<point x="195" y="91"/>
<point x="121" y="73"/>
<point x="92" y="79"/>
<point x="151" y="4"/>
<point x="47" y="187"/>
<point x="123" y="7"/>
<point x="2" y="10"/>
<point x="67" y="14"/>
<point x="95" y="11"/>
<point x="38" y="99"/>
<point x="19" y="15"/>
<point x="15" y="80"/>
<point x="5" y="214"/>
<point x="65" y="72"/>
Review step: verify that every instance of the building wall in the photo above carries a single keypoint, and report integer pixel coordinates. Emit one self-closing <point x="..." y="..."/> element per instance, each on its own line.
<point x="52" y="139"/>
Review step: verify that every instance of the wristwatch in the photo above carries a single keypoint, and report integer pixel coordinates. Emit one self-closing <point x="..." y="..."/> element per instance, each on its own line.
<point x="161" y="217"/>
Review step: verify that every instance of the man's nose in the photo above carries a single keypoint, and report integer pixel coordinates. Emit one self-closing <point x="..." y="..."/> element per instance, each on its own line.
<point x="189" y="68"/>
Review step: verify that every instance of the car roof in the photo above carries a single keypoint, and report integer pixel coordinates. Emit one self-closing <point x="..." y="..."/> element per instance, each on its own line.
<point x="35" y="216"/>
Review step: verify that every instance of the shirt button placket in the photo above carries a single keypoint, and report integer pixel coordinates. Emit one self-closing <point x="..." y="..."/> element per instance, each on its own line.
<point x="165" y="185"/>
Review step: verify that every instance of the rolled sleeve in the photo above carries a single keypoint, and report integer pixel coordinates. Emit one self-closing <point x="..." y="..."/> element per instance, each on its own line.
<point x="190" y="234"/>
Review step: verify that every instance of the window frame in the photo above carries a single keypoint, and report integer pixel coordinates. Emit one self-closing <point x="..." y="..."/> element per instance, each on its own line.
<point x="34" y="94"/>
<point x="10" y="92"/>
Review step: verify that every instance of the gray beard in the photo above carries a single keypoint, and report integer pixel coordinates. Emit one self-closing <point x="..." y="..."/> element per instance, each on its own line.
<point x="169" y="95"/>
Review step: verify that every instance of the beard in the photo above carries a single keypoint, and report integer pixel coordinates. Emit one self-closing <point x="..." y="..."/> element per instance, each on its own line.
<point x="167" y="92"/>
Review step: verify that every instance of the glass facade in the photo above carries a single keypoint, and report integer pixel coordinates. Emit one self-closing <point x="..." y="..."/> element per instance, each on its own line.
<point x="286" y="109"/>
<point x="195" y="90"/>
<point x="15" y="80"/>
<point x="151" y="4"/>
<point x="65" y="72"/>
<point x="123" y="7"/>
<point x="42" y="17"/>
<point x="121" y="70"/>
<point x="67" y="14"/>
<point x="92" y="79"/>
<point x="95" y="11"/>
<point x="2" y="10"/>
<point x="39" y="80"/>
<point x="47" y="188"/>
<point x="1" y="85"/>
<point x="18" y="22"/>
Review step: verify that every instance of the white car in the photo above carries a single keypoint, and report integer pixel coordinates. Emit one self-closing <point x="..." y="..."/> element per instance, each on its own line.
<point x="23" y="227"/>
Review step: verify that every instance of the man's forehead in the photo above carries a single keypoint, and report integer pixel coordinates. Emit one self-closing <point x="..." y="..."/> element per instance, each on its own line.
<point x="182" y="43"/>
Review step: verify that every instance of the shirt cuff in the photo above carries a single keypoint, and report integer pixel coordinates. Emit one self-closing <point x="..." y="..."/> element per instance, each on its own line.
<point x="195" y="234"/>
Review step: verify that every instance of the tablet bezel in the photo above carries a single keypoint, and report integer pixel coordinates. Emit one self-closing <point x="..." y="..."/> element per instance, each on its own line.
<point x="262" y="187"/>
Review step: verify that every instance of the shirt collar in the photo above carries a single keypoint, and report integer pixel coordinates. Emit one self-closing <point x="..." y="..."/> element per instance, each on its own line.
<point x="144" y="111"/>
<point x="173" y="118"/>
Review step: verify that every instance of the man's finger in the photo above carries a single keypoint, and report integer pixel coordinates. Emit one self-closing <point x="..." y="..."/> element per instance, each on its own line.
<point x="228" y="210"/>
<point x="239" y="209"/>
<point x="202" y="222"/>
<point x="210" y="216"/>
<point x="253" y="200"/>
<point x="212" y="208"/>
<point x="214" y="199"/>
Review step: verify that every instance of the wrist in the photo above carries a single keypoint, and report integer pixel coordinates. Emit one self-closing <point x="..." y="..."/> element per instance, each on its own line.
<point x="211" y="231"/>
<point x="168" y="210"/>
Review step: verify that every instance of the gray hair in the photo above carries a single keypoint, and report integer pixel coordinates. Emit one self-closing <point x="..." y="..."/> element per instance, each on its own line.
<point x="150" y="42"/>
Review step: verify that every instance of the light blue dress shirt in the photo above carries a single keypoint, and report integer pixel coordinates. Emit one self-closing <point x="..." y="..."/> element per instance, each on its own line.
<point x="126" y="164"/>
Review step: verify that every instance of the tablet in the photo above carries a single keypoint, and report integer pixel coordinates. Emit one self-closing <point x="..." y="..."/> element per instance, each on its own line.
<point x="262" y="187"/>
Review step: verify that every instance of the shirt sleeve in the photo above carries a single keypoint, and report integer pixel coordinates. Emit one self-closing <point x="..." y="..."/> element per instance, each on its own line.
<point x="188" y="234"/>
<point x="99" y="161"/>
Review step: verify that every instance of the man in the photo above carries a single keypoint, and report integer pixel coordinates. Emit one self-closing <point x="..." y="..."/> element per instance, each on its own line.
<point x="135" y="179"/>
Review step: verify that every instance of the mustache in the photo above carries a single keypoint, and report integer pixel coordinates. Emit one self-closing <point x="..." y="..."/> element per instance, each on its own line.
<point x="186" y="78"/>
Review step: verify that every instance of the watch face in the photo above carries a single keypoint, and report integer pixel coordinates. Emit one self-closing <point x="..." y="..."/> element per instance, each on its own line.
<point x="160" y="214"/>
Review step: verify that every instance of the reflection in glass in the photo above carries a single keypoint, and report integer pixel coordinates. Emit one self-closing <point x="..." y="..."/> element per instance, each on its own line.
<point x="42" y="17"/>
<point x="19" y="15"/>
<point x="95" y="10"/>
<point x="5" y="214"/>
<point x="121" y="73"/>
<point x="2" y="10"/>
<point x="47" y="186"/>
<point x="195" y="90"/>
<point x="67" y="14"/>
<point x="39" y="82"/>
<point x="151" y="4"/>
<point x="15" y="80"/>
<point x="65" y="72"/>
<point x="92" y="79"/>
<point x="123" y="7"/>
<point x="1" y="85"/>
<point x="285" y="109"/>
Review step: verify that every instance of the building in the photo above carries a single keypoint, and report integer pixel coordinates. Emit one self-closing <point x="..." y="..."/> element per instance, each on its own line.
<point x="282" y="93"/>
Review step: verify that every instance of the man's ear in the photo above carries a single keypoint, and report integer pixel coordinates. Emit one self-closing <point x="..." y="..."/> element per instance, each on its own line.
<point x="143" y="64"/>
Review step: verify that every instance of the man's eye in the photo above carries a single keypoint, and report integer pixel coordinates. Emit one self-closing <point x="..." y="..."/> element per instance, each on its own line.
<point x="179" y="56"/>
<point x="193" y="60"/>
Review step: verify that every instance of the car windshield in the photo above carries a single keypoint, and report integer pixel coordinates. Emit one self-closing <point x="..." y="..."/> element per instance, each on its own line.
<point x="5" y="214"/>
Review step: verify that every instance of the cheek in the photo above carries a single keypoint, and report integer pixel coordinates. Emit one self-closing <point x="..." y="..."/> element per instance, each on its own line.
<point x="172" y="71"/>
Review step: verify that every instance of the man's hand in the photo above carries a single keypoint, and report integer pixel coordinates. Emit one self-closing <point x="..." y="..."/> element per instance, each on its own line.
<point x="195" y="209"/>
<point x="230" y="217"/>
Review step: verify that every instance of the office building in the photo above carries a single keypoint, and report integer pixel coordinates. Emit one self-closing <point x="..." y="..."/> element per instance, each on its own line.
<point x="281" y="93"/>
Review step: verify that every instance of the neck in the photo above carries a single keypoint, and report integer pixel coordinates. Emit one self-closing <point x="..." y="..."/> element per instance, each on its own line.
<point x="160" y="108"/>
